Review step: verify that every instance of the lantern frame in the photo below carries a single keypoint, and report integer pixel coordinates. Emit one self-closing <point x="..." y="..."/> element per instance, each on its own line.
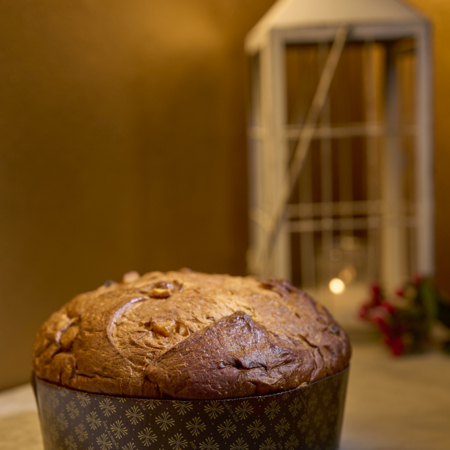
<point x="326" y="21"/>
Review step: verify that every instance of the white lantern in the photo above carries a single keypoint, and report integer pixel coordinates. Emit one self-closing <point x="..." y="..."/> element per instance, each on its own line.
<point x="337" y="202"/>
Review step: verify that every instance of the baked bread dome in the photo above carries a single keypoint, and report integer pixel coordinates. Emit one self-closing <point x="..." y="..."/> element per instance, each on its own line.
<point x="189" y="335"/>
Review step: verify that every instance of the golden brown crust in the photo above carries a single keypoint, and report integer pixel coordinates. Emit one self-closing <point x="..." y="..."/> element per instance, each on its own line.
<point x="190" y="335"/>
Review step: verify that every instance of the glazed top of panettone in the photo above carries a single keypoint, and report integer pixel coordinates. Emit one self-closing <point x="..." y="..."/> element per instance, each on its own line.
<point x="189" y="335"/>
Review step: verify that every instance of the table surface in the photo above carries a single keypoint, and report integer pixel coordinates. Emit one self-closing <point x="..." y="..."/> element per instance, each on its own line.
<point x="392" y="404"/>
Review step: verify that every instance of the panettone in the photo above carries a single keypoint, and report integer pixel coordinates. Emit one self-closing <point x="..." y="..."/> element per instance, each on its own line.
<point x="189" y="335"/>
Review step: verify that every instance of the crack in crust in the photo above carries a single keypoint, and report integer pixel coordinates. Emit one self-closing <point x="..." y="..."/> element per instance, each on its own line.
<point x="190" y="335"/>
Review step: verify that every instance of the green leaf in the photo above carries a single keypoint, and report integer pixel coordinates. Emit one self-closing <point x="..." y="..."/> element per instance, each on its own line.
<point x="428" y="298"/>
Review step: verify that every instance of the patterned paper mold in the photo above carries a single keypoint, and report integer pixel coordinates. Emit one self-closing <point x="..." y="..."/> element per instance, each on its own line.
<point x="305" y="418"/>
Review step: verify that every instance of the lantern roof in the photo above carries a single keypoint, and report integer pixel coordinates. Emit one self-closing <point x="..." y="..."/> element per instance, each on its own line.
<point x="286" y="14"/>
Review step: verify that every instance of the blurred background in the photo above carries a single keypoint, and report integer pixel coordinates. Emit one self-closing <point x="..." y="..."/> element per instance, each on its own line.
<point x="123" y="147"/>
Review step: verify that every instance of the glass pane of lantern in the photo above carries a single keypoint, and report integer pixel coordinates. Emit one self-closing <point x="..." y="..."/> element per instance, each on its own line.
<point x="336" y="212"/>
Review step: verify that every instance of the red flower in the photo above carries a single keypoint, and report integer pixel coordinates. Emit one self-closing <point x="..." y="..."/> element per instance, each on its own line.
<point x="388" y="307"/>
<point x="363" y="311"/>
<point x="396" y="344"/>
<point x="376" y="290"/>
<point x="403" y="327"/>
<point x="376" y="294"/>
<point x="382" y="324"/>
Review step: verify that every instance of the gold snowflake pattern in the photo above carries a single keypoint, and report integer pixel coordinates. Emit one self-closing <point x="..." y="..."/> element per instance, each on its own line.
<point x="195" y="426"/>
<point x="178" y="442"/>
<point x="318" y="419"/>
<point x="312" y="402"/>
<point x="256" y="429"/>
<point x="320" y="387"/>
<point x="62" y="392"/>
<point x="45" y="405"/>
<point x="272" y="409"/>
<point x="209" y="444"/>
<point x="129" y="446"/>
<point x="292" y="443"/>
<point x="54" y="399"/>
<point x="244" y="410"/>
<point x="122" y="399"/>
<point x="335" y="382"/>
<point x="227" y="428"/>
<point x="103" y="442"/>
<point x="324" y="434"/>
<point x="70" y="443"/>
<point x="72" y="410"/>
<point x="240" y="444"/>
<point x="54" y="432"/>
<point x="119" y="429"/>
<point x="333" y="412"/>
<point x="134" y="414"/>
<point x="165" y="421"/>
<point x="83" y="399"/>
<point x="303" y="423"/>
<point x="327" y="396"/>
<point x="90" y="447"/>
<point x="62" y="422"/>
<point x="295" y="406"/>
<point x="268" y="444"/>
<point x="147" y="436"/>
<point x="309" y="441"/>
<point x="107" y="407"/>
<point x="81" y="432"/>
<point x="182" y="407"/>
<point x="152" y="404"/>
<point x="282" y="426"/>
<point x="93" y="420"/>
<point x="214" y="409"/>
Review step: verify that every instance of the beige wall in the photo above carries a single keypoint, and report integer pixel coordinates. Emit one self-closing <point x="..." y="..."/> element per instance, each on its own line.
<point x="122" y="146"/>
<point x="438" y="11"/>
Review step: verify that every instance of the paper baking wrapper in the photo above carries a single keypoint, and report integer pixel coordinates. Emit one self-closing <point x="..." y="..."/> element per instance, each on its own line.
<point x="304" y="418"/>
